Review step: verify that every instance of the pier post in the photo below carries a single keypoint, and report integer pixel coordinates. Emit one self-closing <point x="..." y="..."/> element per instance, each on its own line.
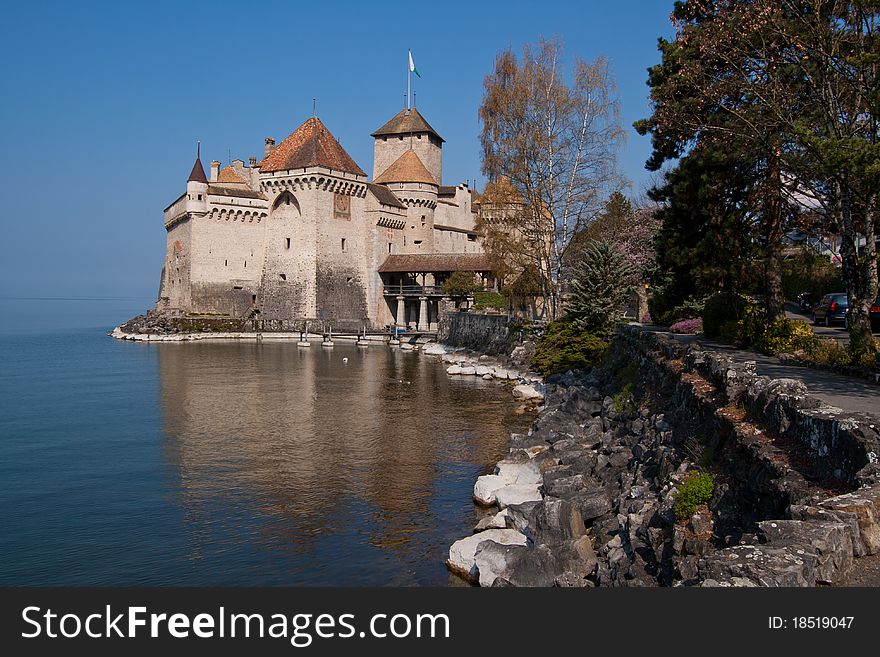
<point x="400" y="315"/>
<point x="423" y="314"/>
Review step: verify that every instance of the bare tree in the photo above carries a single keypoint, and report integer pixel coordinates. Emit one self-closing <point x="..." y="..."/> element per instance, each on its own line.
<point x="555" y="138"/>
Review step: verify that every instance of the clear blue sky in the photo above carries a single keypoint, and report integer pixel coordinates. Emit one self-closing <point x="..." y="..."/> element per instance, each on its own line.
<point x="102" y="104"/>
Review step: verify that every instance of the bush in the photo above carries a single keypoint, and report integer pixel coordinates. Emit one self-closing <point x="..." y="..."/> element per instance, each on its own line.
<point x="460" y="284"/>
<point x="484" y="300"/>
<point x="691" y="308"/>
<point x="829" y="353"/>
<point x="688" y="326"/>
<point x="721" y="308"/>
<point x="565" y="347"/>
<point x="786" y="335"/>
<point x="696" y="489"/>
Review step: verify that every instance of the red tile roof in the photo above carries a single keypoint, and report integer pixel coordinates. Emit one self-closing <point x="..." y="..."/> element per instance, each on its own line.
<point x="385" y="195"/>
<point x="406" y="169"/>
<point x="310" y="145"/>
<point x="435" y="262"/>
<point x="229" y="175"/>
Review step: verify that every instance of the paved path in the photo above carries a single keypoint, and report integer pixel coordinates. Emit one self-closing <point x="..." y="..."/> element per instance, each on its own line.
<point x="845" y="392"/>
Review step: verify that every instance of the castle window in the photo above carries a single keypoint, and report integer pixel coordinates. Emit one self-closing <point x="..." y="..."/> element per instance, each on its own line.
<point x="287" y="243"/>
<point x="343" y="244"/>
<point x="200" y="197"/>
<point x="349" y="279"/>
<point x="236" y="287"/>
<point x="225" y="263"/>
<point x="283" y="277"/>
<point x="389" y="247"/>
<point x="245" y="264"/>
<point x="418" y="243"/>
<point x="400" y="138"/>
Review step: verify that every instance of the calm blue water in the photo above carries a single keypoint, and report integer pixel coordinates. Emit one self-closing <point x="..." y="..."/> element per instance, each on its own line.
<point x="230" y="463"/>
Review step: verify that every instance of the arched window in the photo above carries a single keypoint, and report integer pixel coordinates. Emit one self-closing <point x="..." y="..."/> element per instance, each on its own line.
<point x="285" y="203"/>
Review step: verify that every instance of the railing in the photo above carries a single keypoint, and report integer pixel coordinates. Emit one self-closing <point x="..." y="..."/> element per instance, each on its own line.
<point x="414" y="290"/>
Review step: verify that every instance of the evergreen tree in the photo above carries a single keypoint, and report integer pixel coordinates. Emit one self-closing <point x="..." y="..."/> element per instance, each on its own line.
<point x="601" y="286"/>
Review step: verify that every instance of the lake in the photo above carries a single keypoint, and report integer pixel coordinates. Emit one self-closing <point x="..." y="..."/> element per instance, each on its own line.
<point x="231" y="463"/>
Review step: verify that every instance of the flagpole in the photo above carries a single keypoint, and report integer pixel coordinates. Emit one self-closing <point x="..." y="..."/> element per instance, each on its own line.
<point x="408" y="74"/>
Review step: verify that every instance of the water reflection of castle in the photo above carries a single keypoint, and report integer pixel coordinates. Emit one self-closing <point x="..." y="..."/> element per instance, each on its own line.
<point x="307" y="441"/>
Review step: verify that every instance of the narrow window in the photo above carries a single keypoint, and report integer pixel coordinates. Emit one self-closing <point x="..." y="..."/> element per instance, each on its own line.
<point x="389" y="247"/>
<point x="343" y="244"/>
<point x="287" y="243"/>
<point x="225" y="263"/>
<point x="404" y="240"/>
<point x="200" y="197"/>
<point x="245" y="264"/>
<point x="283" y="277"/>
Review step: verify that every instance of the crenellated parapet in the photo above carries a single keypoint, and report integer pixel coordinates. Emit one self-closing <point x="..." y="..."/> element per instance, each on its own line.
<point x="274" y="186"/>
<point x="413" y="202"/>
<point x="238" y="214"/>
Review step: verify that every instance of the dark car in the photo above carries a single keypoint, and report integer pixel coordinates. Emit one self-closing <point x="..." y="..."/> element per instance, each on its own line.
<point x="805" y="301"/>
<point x="875" y="315"/>
<point x="831" y="309"/>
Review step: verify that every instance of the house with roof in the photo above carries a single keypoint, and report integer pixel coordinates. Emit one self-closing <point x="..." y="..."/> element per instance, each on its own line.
<point x="305" y="235"/>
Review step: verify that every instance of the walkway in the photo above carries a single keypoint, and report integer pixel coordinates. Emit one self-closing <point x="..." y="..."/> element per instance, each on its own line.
<point x="845" y="392"/>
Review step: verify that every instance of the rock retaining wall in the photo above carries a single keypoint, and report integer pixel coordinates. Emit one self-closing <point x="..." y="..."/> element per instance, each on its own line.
<point x="592" y="486"/>
<point x="488" y="334"/>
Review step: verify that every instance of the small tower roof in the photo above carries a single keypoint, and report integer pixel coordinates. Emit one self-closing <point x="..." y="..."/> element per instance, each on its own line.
<point x="228" y="174"/>
<point x="198" y="171"/>
<point x="310" y="145"/>
<point x="405" y="169"/>
<point x="405" y="122"/>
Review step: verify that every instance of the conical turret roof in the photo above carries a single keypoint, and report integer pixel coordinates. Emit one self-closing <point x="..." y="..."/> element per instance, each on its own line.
<point x="408" y="168"/>
<point x="198" y="172"/>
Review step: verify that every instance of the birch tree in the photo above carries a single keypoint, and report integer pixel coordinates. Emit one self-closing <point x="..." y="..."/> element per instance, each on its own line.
<point x="554" y="134"/>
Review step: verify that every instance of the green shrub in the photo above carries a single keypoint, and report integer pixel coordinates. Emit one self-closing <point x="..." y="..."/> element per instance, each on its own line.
<point x="565" y="347"/>
<point x="484" y="300"/>
<point x="691" y="308"/>
<point x="460" y="284"/>
<point x="696" y="489"/>
<point x="721" y="308"/>
<point x="786" y="335"/>
<point x="623" y="398"/>
<point x="829" y="352"/>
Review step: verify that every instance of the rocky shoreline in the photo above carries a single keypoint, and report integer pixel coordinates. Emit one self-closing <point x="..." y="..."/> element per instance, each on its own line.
<point x="587" y="496"/>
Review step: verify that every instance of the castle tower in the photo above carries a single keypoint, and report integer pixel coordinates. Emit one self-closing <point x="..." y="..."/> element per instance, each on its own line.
<point x="408" y="130"/>
<point x="416" y="187"/>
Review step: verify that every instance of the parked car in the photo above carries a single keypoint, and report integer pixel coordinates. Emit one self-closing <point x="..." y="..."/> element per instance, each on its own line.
<point x="875" y="315"/>
<point x="806" y="301"/>
<point x="831" y="309"/>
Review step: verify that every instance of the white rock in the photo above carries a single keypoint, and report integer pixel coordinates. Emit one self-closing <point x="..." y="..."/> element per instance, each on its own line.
<point x="487" y="377"/>
<point x="462" y="553"/>
<point x="434" y="349"/>
<point x="485" y="488"/>
<point x="527" y="473"/>
<point x="498" y="521"/>
<point x="482" y="370"/>
<point x="529" y="391"/>
<point x="453" y="369"/>
<point x="467" y="370"/>
<point x="517" y="494"/>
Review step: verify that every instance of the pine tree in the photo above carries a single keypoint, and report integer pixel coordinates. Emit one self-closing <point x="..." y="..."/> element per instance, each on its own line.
<point x="601" y="286"/>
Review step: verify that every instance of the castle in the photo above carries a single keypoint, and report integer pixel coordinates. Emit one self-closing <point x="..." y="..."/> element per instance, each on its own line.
<point x="303" y="235"/>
